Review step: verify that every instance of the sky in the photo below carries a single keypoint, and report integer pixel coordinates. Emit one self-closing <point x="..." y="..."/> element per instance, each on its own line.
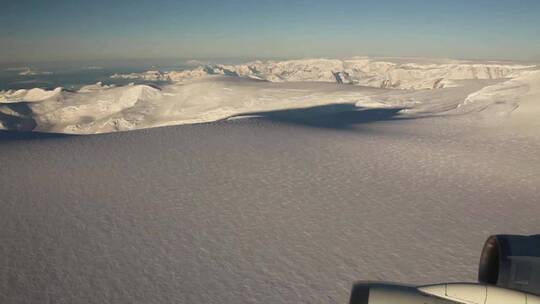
<point x="69" y="30"/>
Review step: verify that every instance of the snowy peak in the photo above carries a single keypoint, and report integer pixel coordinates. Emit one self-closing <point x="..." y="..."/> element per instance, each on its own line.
<point x="32" y="95"/>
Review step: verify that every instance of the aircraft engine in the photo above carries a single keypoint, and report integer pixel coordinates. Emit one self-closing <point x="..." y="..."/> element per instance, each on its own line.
<point x="511" y="261"/>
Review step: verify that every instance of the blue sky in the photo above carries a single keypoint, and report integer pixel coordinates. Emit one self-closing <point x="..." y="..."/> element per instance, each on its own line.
<point x="49" y="30"/>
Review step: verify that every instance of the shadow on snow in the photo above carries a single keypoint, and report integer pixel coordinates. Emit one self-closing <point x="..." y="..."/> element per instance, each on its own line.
<point x="335" y="116"/>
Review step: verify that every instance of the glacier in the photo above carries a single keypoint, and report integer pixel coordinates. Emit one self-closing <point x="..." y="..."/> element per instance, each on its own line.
<point x="256" y="210"/>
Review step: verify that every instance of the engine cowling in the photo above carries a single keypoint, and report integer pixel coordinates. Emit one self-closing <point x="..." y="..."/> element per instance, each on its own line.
<point x="511" y="261"/>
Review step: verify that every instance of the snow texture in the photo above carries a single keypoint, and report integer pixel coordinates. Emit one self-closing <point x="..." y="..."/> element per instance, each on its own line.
<point x="275" y="209"/>
<point x="306" y="188"/>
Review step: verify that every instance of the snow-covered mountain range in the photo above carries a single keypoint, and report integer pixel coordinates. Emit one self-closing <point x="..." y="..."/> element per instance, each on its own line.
<point x="358" y="71"/>
<point x="214" y="92"/>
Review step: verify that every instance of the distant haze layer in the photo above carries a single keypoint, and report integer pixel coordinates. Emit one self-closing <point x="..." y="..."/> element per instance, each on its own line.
<point x="37" y="30"/>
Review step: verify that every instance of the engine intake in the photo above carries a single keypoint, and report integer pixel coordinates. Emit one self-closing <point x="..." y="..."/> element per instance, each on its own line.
<point x="511" y="261"/>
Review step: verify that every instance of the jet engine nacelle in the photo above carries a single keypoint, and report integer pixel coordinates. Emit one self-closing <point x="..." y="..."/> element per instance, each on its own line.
<point x="509" y="274"/>
<point x="446" y="293"/>
<point x="511" y="261"/>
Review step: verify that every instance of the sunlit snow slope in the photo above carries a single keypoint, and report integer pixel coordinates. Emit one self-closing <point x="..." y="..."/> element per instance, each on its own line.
<point x="217" y="92"/>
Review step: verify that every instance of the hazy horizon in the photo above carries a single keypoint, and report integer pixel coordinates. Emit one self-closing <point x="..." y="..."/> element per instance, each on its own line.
<point x="184" y="62"/>
<point x="37" y="31"/>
